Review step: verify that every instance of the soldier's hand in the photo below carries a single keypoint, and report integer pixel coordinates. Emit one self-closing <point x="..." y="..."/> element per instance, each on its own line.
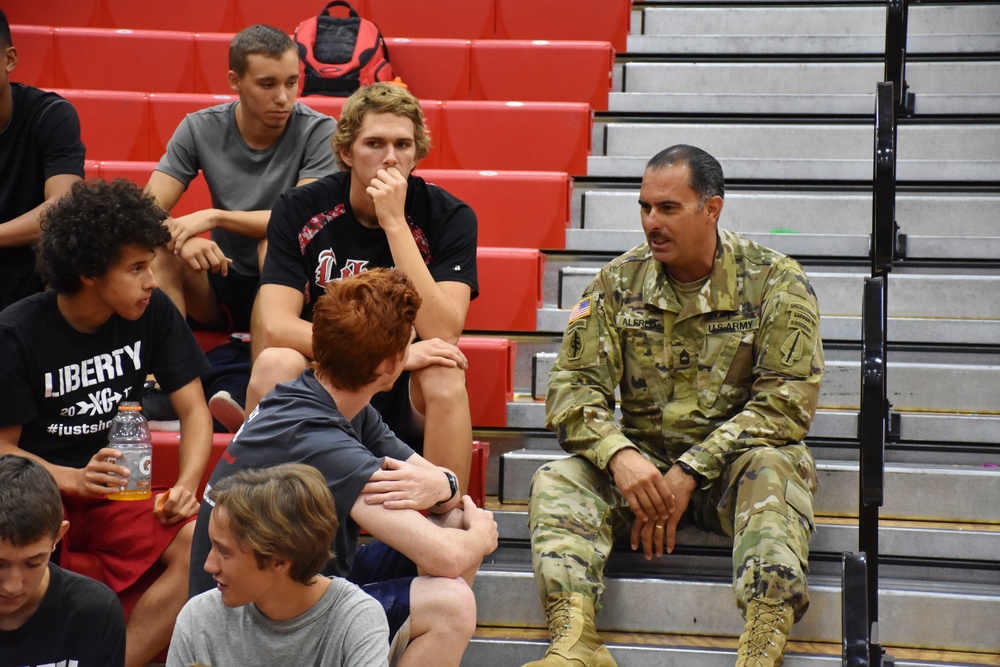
<point x="643" y="486"/>
<point x="681" y="485"/>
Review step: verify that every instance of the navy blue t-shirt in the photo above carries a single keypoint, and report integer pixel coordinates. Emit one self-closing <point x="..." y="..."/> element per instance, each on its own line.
<point x="299" y="422"/>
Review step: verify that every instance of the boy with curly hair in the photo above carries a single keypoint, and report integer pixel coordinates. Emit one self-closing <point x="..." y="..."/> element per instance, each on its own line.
<point x="70" y="355"/>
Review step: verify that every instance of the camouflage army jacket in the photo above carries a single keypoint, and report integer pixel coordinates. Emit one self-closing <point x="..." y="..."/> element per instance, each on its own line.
<point x="739" y="367"/>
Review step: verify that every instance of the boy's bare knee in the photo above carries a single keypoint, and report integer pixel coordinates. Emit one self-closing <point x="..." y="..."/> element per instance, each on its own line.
<point x="442" y="385"/>
<point x="456" y="606"/>
<point x="178" y="552"/>
<point x="279" y="361"/>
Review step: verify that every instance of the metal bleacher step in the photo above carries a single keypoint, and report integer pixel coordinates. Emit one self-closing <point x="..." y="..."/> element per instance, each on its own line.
<point x="918" y="381"/>
<point x="957" y="490"/>
<point x="813" y="151"/>
<point x="930" y="305"/>
<point x="816" y="88"/>
<point x="971" y="429"/>
<point x="834" y="535"/>
<point x="953" y="615"/>
<point x="813" y="29"/>
<point x="608" y="221"/>
<point x="506" y="647"/>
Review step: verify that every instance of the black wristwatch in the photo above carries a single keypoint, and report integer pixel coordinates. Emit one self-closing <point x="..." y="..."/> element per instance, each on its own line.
<point x="452" y="484"/>
<point x="690" y="471"/>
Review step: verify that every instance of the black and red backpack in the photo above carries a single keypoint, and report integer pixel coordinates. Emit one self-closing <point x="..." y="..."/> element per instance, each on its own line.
<point x="338" y="55"/>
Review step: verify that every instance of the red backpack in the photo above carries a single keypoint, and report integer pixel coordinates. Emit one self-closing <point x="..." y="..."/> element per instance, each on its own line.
<point x="339" y="55"/>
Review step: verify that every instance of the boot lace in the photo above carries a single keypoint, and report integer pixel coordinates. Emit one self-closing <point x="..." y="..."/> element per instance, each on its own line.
<point x="560" y="613"/>
<point x="762" y="630"/>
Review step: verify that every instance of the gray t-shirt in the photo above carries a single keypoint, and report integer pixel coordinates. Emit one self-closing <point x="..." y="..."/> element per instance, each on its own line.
<point x="346" y="628"/>
<point x="241" y="178"/>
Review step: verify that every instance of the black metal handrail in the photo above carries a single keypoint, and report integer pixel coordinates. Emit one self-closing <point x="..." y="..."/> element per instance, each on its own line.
<point x="895" y="55"/>
<point x="860" y="612"/>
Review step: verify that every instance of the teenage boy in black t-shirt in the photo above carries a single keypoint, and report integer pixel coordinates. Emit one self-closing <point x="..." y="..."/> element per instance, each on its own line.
<point x="41" y="156"/>
<point x="37" y="596"/>
<point x="69" y="356"/>
<point x="376" y="213"/>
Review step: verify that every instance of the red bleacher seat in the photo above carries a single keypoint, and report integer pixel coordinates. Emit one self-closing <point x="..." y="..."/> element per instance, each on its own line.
<point x="510" y="290"/>
<point x="147" y="60"/>
<point x="477" y="472"/>
<point x="285" y="15"/>
<point x="114" y="125"/>
<point x="604" y="20"/>
<point x="331" y="106"/>
<point x="211" y="62"/>
<point x="432" y="68"/>
<point x="542" y="197"/>
<point x="34" y="55"/>
<point x="543" y="136"/>
<point x="542" y="71"/>
<point x="187" y="15"/>
<point x="195" y="198"/>
<point x="490" y="378"/>
<point x="456" y="19"/>
<point x="84" y="13"/>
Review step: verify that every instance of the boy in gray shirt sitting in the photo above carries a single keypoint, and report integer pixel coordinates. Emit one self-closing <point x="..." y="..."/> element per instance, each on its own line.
<point x="271" y="532"/>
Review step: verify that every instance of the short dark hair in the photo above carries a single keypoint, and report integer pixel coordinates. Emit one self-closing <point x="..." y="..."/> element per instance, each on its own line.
<point x="30" y="506"/>
<point x="705" y="170"/>
<point x="83" y="233"/>
<point x="361" y="321"/>
<point x="5" y="39"/>
<point x="282" y="512"/>
<point x="263" y="39"/>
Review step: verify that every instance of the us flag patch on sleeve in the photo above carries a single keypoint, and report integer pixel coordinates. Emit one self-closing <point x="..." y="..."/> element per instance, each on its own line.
<point x="580" y="310"/>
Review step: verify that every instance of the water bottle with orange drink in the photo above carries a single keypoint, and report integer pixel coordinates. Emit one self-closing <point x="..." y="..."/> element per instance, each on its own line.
<point x="129" y="434"/>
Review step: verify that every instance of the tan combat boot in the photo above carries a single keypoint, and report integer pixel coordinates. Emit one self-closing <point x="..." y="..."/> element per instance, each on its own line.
<point x="575" y="642"/>
<point x="762" y="643"/>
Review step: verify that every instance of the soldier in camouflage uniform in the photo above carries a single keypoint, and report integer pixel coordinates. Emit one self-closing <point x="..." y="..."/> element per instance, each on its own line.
<point x="714" y="344"/>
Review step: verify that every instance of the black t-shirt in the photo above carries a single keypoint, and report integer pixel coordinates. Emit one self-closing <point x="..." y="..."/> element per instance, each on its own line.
<point x="79" y="622"/>
<point x="42" y="140"/>
<point x="313" y="237"/>
<point x="63" y="386"/>
<point x="298" y="422"/>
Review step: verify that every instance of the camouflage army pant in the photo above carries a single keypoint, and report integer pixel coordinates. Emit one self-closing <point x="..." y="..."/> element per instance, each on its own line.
<point x="763" y="500"/>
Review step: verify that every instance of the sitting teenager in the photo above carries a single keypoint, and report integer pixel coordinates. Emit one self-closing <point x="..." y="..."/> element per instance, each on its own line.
<point x="420" y="568"/>
<point x="271" y="532"/>
<point x="377" y="213"/>
<point x="70" y="355"/>
<point x="37" y="595"/>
